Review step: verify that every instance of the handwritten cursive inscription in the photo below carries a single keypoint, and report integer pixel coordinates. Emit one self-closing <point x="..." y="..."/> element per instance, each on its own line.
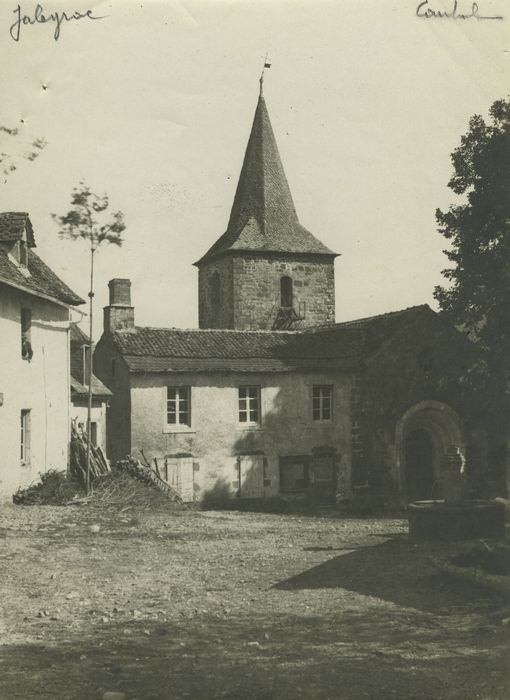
<point x="39" y="17"/>
<point x="423" y="10"/>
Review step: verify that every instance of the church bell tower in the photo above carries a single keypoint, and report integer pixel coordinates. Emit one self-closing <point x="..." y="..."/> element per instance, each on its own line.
<point x="266" y="272"/>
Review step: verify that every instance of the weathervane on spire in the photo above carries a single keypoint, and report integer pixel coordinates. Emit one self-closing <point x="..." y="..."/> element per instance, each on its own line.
<point x="267" y="64"/>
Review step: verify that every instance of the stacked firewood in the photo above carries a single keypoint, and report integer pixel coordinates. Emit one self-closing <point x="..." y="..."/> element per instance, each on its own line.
<point x="143" y="471"/>
<point x="99" y="465"/>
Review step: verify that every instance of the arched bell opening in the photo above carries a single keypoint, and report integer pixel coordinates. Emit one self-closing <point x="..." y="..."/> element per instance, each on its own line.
<point x="286" y="292"/>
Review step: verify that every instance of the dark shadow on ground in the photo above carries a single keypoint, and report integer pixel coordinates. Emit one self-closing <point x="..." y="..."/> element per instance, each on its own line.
<point x="350" y="654"/>
<point x="383" y="571"/>
<point x="327" y="549"/>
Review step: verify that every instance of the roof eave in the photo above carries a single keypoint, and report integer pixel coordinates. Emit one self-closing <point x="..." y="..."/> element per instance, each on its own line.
<point x="41" y="295"/>
<point x="261" y="253"/>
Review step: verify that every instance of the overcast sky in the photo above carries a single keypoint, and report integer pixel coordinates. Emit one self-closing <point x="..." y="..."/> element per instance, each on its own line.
<point x="153" y="104"/>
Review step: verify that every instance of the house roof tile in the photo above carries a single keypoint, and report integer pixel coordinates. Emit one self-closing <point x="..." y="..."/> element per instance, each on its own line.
<point x="341" y="346"/>
<point x="230" y="344"/>
<point x="252" y="365"/>
<point x="41" y="280"/>
<point x="98" y="388"/>
<point x="12" y="226"/>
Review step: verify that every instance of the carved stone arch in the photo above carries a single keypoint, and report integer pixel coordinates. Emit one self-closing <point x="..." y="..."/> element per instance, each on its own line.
<point x="438" y="429"/>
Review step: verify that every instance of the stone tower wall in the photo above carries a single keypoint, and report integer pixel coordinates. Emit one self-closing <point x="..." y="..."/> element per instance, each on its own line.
<point x="216" y="313"/>
<point x="250" y="291"/>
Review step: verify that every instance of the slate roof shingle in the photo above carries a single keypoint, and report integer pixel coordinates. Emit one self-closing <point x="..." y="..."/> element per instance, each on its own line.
<point x="341" y="346"/>
<point x="98" y="388"/>
<point x="263" y="216"/>
<point x="12" y="226"/>
<point x="41" y="280"/>
<point x="376" y="329"/>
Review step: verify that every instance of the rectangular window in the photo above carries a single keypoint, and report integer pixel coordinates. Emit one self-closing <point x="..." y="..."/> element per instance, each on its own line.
<point x="249" y="404"/>
<point x="26" y="334"/>
<point x="178" y="405"/>
<point x="25" y="437"/>
<point x="322" y="401"/>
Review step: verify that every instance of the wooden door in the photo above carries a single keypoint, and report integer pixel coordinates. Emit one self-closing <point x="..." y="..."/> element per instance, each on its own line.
<point x="251" y="476"/>
<point x="419" y="456"/>
<point x="179" y="474"/>
<point x="323" y="473"/>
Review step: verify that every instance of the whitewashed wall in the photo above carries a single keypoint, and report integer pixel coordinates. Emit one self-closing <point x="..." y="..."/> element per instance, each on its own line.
<point x="41" y="385"/>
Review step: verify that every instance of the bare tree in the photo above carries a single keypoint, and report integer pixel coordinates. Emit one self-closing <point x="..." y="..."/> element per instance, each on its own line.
<point x="90" y="220"/>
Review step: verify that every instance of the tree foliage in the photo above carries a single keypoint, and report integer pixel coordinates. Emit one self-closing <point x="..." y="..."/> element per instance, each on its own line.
<point x="11" y="149"/>
<point x="90" y="219"/>
<point x="478" y="229"/>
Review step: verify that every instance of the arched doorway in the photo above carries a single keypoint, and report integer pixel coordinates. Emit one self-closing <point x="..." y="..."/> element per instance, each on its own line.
<point x="419" y="465"/>
<point x="424" y="435"/>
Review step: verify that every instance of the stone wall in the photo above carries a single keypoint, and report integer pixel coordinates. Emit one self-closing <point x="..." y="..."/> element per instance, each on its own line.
<point x="250" y="291"/>
<point x="257" y="291"/>
<point x="111" y="369"/>
<point x="216" y="439"/>
<point x="424" y="368"/>
<point x="219" y="312"/>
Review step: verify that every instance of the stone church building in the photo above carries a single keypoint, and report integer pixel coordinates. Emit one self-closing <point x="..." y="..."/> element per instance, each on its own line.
<point x="270" y="396"/>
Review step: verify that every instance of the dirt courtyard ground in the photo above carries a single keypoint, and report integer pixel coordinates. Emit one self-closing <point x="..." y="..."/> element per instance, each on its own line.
<point x="186" y="604"/>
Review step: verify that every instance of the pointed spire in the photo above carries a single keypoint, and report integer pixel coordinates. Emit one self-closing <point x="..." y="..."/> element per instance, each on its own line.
<point x="263" y="216"/>
<point x="263" y="192"/>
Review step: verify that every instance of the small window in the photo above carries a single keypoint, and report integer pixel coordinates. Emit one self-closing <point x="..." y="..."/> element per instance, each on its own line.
<point x="178" y="405"/>
<point x="286" y="292"/>
<point x="249" y="404"/>
<point x="23" y="253"/>
<point x="26" y="334"/>
<point x="25" y="437"/>
<point x="322" y="402"/>
<point x="215" y="290"/>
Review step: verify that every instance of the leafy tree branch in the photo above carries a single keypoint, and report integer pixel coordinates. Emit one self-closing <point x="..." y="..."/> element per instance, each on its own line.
<point x="9" y="155"/>
<point x="477" y="297"/>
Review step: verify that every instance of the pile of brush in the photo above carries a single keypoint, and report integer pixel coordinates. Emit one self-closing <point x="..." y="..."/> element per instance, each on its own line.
<point x="131" y="483"/>
<point x="128" y="483"/>
<point x="121" y="489"/>
<point x="54" y="489"/>
<point x="143" y="471"/>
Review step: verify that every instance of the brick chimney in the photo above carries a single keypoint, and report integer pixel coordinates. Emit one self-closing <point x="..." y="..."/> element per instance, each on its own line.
<point x="119" y="315"/>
